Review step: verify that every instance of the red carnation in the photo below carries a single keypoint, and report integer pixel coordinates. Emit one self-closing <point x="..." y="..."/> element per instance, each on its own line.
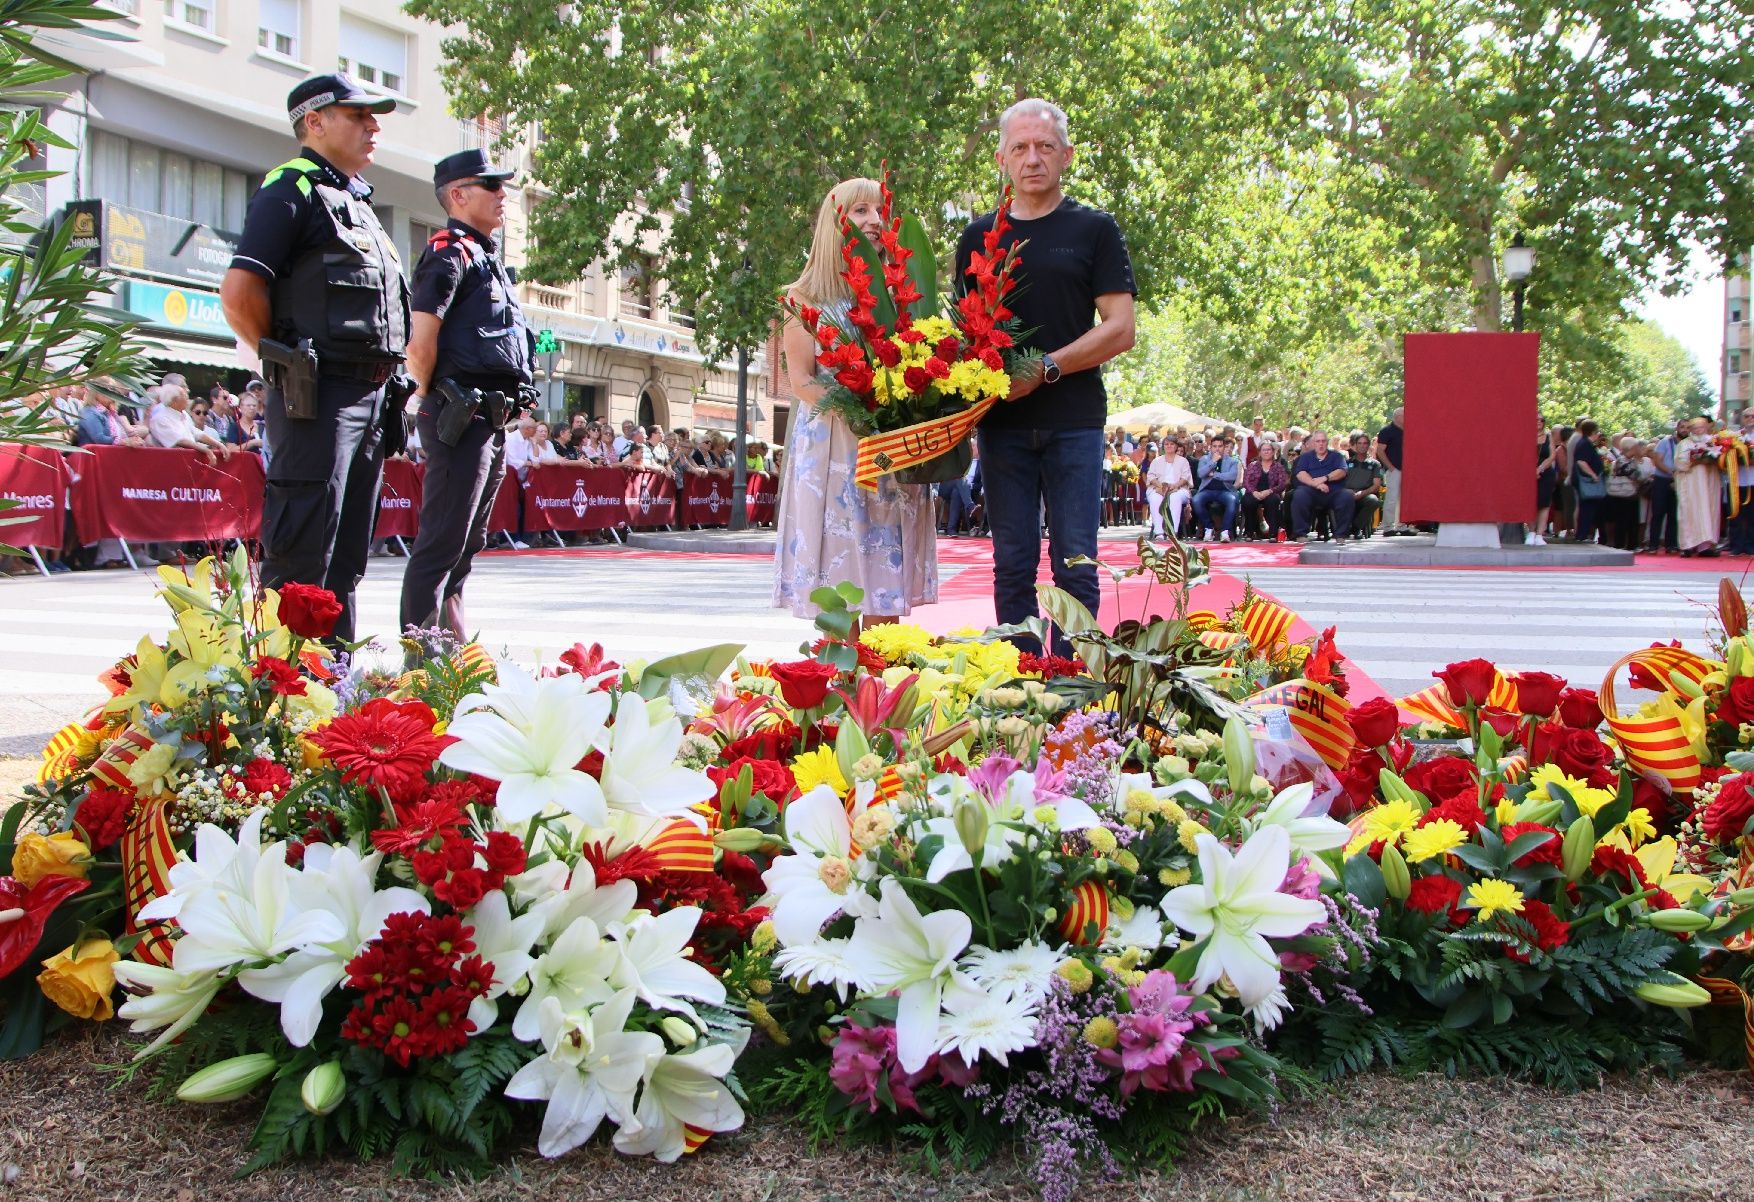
<point x="266" y="776"/>
<point x="1468" y="682"/>
<point x="888" y="354"/>
<point x="937" y="368"/>
<point x="1609" y="860"/>
<point x="505" y="853"/>
<point x="1461" y="809"/>
<point x="1550" y="852"/>
<point x="308" y="610"/>
<point x="385" y="745"/>
<point x="103" y="815"/>
<point x="1436" y="895"/>
<point x="1537" y="693"/>
<point x="1551" y="931"/>
<point x="1728" y="814"/>
<point x="1580" y="709"/>
<point x="283" y="679"/>
<point x="1375" y="722"/>
<point x="1443" y="777"/>
<point x="804" y="683"/>
<point x="992" y="360"/>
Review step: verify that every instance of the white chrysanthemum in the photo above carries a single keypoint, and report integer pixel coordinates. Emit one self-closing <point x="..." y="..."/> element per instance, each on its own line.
<point x="1025" y="971"/>
<point x="990" y="1023"/>
<point x="1144" y="930"/>
<point x="1271" y="1010"/>
<point x="825" y="962"/>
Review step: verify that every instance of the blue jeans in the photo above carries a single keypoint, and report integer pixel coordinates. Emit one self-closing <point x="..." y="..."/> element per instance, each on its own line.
<point x="1225" y="501"/>
<point x="1022" y="471"/>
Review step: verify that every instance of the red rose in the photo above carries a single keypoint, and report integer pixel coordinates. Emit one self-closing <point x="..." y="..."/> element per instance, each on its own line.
<point x="768" y="777"/>
<point x="1375" y="722"/>
<point x="937" y="368"/>
<point x="1579" y="709"/>
<point x="1436" y="895"/>
<point x="308" y="610"/>
<point x="804" y="683"/>
<point x="1735" y="704"/>
<point x="103" y="816"/>
<point x="1504" y="723"/>
<point x="916" y="379"/>
<point x="778" y="742"/>
<point x="1359" y="777"/>
<point x="1469" y="682"/>
<point x="1728" y="814"/>
<point x="1577" y="753"/>
<point x="283" y="679"/>
<point x="1537" y="693"/>
<point x="1443" y="777"/>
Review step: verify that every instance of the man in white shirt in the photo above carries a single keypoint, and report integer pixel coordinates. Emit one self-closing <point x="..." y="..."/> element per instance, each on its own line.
<point x="625" y="439"/>
<point x="171" y="426"/>
<point x="519" y="455"/>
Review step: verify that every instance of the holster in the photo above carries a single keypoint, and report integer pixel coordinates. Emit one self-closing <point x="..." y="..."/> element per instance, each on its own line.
<point x="393" y="419"/>
<point x="457" y="408"/>
<point x="292" y="370"/>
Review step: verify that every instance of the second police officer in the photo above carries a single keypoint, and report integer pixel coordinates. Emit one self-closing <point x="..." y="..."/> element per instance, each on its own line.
<point x="316" y="287"/>
<point x="471" y="355"/>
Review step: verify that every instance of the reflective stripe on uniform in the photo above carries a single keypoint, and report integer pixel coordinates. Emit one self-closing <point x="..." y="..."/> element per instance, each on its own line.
<point x="304" y="169"/>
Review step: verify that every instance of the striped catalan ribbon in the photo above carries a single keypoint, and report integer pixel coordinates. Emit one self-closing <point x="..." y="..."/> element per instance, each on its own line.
<point x="1515" y="769"/>
<point x="1727" y="993"/>
<point x="1220" y="640"/>
<point x="683" y="847"/>
<point x="1503" y="694"/>
<point x="1433" y="704"/>
<point x="111" y="767"/>
<point x="147" y="854"/>
<point x="1661" y="661"/>
<point x="1202" y="619"/>
<point x="1089" y="905"/>
<point x="1317" y="713"/>
<point x="476" y="656"/>
<point x="895" y="449"/>
<point x="693" y="1137"/>
<point x="1265" y="622"/>
<point x="888" y="786"/>
<point x="708" y="810"/>
<point x="62" y="755"/>
<point x="1658" y="745"/>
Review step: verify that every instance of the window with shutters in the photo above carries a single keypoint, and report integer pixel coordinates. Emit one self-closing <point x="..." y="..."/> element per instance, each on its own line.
<point x="278" y="23"/>
<point x="374" y="54"/>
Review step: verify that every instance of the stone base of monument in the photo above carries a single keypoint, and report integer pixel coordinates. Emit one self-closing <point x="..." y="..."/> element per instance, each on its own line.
<point x="1466" y="548"/>
<point x="715" y="542"/>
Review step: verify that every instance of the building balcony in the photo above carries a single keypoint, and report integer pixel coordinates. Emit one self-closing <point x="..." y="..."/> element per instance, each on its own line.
<point x="1736" y="336"/>
<point x="1736" y="285"/>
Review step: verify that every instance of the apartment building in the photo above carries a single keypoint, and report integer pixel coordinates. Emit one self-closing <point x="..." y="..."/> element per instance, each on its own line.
<point x="1733" y="385"/>
<point x="173" y="127"/>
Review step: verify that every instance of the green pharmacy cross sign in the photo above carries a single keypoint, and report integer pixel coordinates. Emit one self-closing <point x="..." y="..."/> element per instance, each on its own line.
<point x="546" y="342"/>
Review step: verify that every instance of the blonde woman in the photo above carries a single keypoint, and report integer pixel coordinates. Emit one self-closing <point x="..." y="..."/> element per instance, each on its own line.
<point x="829" y="529"/>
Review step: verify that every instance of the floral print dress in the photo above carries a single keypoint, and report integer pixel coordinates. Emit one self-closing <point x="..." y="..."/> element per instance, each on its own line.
<point x="830" y="530"/>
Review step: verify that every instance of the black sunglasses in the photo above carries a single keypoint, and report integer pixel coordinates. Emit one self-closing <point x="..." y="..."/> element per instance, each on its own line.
<point x="486" y="185"/>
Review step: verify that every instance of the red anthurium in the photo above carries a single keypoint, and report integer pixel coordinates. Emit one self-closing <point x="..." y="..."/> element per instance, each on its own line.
<point x="25" y="912"/>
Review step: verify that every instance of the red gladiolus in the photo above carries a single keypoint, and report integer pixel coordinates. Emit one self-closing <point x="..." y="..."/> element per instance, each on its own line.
<point x="19" y="935"/>
<point x="1468" y="682"/>
<point x="1375" y="722"/>
<point x="888" y="354"/>
<point x="1537" y="693"/>
<point x="308" y="610"/>
<point x="385" y="745"/>
<point x="804" y="683"/>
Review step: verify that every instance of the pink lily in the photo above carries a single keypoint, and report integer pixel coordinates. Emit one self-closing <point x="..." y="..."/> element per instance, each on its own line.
<point x="871" y="706"/>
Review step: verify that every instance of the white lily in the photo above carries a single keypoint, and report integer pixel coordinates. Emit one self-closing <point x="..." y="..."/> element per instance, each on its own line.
<point x="503" y="942"/>
<point x="817" y="881"/>
<point x="574" y="972"/>
<point x="1236" y="907"/>
<point x="582" y="897"/>
<point x="901" y="949"/>
<point x="529" y="735"/>
<point x="1310" y="834"/>
<point x="1000" y="841"/>
<point x="339" y="881"/>
<point x="640" y="773"/>
<point x="223" y="927"/>
<point x="174" y="1001"/>
<point x="652" y="961"/>
<point x="591" y="1070"/>
<point x="680" y="1092"/>
<point x="219" y="860"/>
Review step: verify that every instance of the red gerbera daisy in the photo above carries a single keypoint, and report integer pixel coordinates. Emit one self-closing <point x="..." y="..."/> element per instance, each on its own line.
<point x="385" y="745"/>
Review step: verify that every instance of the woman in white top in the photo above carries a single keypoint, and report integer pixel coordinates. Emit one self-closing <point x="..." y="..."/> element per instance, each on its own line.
<point x="1168" y="477"/>
<point x="542" y="446"/>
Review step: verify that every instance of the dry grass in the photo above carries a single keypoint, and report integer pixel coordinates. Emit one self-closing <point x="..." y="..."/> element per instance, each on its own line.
<point x="68" y="1135"/>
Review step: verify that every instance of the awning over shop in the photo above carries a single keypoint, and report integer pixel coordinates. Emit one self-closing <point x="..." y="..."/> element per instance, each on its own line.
<point x="187" y="350"/>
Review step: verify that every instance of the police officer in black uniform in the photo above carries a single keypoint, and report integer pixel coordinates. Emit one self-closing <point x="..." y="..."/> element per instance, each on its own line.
<point x="470" y="355"/>
<point x="316" y="285"/>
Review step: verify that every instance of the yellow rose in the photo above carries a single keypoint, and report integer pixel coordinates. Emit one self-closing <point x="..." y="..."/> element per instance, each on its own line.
<point x="38" y="856"/>
<point x="81" y="980"/>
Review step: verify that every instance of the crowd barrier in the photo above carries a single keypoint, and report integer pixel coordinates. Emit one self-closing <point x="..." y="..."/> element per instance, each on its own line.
<point x="142" y="494"/>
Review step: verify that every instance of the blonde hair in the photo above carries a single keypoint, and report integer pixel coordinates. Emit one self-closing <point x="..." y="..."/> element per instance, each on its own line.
<point x="821" y="283"/>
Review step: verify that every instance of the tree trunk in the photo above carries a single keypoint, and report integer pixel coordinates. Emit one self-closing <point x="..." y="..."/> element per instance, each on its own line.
<point x="1488" y="299"/>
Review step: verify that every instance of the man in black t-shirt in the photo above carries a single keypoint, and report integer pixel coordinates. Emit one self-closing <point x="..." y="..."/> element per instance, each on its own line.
<point x="1388" y="441"/>
<point x="1043" y="448"/>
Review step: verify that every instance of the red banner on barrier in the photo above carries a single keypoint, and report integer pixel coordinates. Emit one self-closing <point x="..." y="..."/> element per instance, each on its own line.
<point x="560" y="496"/>
<point x="650" y="498"/>
<point x="152" y="494"/>
<point x="706" y="501"/>
<point x="764" y="492"/>
<point x="36" y="478"/>
<point x="504" y="515"/>
<point x="399" y="500"/>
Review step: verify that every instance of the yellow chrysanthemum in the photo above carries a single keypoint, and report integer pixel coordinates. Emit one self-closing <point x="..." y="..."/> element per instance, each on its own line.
<point x="897" y="639"/>
<point x="1385" y="823"/>
<point x="1492" y="896"/>
<point x="1550" y="782"/>
<point x="935" y="328"/>
<point x="818" y="767"/>
<point x="1433" y="839"/>
<point x="1505" y="811"/>
<point x="993" y="659"/>
<point x="1187" y="832"/>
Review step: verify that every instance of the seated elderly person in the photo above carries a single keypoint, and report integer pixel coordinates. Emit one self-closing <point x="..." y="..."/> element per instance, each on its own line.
<point x="1364" y="480"/>
<point x="1320" y="474"/>
<point x="1263" y="494"/>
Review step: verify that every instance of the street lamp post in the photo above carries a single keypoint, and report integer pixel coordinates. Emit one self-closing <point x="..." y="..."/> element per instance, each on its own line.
<point x="1519" y="264"/>
<point x="740" y="469"/>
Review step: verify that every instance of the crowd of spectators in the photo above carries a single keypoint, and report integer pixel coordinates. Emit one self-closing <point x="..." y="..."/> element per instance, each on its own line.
<point x="1225" y="484"/>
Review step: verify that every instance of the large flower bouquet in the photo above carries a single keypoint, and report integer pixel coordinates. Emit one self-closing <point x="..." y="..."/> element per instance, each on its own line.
<point x="899" y="367"/>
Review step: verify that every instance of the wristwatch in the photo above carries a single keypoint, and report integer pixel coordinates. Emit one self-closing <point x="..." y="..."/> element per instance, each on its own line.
<point x="1050" y="371"/>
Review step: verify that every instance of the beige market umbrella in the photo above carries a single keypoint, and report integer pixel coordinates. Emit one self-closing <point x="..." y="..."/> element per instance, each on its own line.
<point x="1162" y="415"/>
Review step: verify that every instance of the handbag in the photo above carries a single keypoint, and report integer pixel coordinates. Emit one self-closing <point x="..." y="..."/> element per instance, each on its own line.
<point x="1590" y="490"/>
